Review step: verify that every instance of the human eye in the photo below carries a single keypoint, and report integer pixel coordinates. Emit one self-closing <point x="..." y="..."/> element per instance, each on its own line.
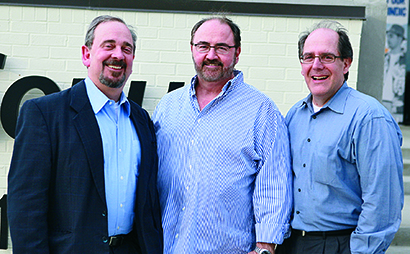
<point x="308" y="58"/>
<point x="202" y="47"/>
<point x="108" y="46"/>
<point x="327" y="58"/>
<point x="222" y="49"/>
<point x="128" y="50"/>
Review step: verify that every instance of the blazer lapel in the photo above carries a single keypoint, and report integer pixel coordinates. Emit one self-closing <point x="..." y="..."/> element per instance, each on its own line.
<point x="89" y="132"/>
<point x="145" y="139"/>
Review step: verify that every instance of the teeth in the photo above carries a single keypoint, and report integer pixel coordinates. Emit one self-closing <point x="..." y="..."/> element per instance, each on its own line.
<point x="320" y="78"/>
<point x="115" y="67"/>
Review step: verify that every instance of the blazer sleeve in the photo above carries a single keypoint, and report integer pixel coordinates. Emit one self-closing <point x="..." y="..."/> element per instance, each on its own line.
<point x="28" y="182"/>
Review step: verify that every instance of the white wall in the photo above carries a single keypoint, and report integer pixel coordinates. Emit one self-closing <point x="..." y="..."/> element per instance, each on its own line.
<point x="47" y="42"/>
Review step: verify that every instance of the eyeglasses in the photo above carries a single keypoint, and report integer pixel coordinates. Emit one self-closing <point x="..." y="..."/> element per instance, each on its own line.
<point x="325" y="58"/>
<point x="222" y="49"/>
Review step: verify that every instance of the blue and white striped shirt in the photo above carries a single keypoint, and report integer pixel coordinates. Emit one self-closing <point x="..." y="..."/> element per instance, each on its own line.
<point x="122" y="156"/>
<point x="224" y="177"/>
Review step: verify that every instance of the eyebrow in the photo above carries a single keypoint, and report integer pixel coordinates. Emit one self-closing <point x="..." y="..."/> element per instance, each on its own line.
<point x="311" y="53"/>
<point x="207" y="43"/>
<point x="113" y="41"/>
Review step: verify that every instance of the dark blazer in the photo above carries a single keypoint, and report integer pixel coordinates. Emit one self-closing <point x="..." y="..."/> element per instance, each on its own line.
<point x="56" y="191"/>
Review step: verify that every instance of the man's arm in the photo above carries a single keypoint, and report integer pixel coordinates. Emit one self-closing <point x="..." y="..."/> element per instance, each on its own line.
<point x="380" y="166"/>
<point x="28" y="183"/>
<point x="273" y="186"/>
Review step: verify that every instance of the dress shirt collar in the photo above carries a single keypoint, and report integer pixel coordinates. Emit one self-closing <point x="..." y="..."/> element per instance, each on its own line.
<point x="229" y="86"/>
<point x="337" y="103"/>
<point x="98" y="99"/>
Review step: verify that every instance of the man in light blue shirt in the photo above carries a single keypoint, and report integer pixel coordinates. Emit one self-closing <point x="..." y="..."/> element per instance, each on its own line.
<point x="84" y="169"/>
<point x="346" y="156"/>
<point x="224" y="172"/>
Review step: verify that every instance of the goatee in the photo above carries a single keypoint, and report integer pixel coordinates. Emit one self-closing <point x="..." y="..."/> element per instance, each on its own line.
<point x="113" y="82"/>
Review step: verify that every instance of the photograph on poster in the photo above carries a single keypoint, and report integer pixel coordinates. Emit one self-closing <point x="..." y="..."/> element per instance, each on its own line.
<point x="395" y="58"/>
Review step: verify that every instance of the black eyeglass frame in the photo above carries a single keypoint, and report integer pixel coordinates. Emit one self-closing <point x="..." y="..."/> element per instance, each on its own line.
<point x="209" y="47"/>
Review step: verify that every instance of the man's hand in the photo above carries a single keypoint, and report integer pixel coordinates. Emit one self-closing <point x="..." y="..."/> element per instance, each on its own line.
<point x="267" y="246"/>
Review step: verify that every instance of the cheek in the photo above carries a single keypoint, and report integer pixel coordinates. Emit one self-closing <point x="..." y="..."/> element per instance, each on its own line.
<point x="198" y="60"/>
<point x="130" y="61"/>
<point x="305" y="70"/>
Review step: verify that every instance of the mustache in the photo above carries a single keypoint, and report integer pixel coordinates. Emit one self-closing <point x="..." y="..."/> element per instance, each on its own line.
<point x="115" y="62"/>
<point x="216" y="62"/>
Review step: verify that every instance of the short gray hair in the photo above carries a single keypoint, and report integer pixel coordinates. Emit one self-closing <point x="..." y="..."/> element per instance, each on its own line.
<point x="89" y="37"/>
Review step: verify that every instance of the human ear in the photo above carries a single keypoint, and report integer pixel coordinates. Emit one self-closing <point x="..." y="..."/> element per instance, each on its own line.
<point x="86" y="56"/>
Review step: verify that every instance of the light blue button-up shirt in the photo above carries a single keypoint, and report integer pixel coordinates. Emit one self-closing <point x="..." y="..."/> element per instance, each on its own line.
<point x="348" y="169"/>
<point x="224" y="173"/>
<point x="122" y="155"/>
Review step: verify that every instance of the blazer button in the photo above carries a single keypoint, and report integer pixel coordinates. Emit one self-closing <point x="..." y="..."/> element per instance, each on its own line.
<point x="104" y="239"/>
<point x="104" y="213"/>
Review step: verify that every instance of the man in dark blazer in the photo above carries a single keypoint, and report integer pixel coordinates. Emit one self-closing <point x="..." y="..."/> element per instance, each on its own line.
<point x="66" y="190"/>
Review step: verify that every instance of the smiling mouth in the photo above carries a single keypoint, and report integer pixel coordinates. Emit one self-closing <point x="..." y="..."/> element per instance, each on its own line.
<point x="319" y="77"/>
<point x="115" y="67"/>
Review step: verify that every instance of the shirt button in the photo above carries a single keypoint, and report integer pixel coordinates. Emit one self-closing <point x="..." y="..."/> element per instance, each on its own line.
<point x="199" y="120"/>
<point x="299" y="190"/>
<point x="121" y="205"/>
<point x="122" y="178"/>
<point x="304" y="165"/>
<point x="176" y="236"/>
<point x="314" y="117"/>
<point x="297" y="212"/>
<point x="308" y="140"/>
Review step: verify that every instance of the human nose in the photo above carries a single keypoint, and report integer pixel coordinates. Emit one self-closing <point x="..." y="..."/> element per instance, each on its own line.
<point x="317" y="63"/>
<point x="118" y="53"/>
<point x="212" y="53"/>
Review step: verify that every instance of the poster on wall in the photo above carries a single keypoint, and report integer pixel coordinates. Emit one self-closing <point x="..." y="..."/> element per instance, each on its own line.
<point x="395" y="57"/>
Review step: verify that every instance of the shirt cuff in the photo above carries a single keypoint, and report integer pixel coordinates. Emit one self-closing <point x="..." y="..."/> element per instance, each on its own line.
<point x="272" y="233"/>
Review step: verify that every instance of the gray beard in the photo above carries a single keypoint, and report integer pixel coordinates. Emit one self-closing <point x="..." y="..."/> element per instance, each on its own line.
<point x="112" y="83"/>
<point x="214" y="76"/>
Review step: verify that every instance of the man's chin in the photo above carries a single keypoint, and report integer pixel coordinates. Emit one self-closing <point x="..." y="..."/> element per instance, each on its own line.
<point x="211" y="76"/>
<point x="113" y="82"/>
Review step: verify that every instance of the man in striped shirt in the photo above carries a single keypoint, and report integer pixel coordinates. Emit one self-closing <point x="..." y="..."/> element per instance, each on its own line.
<point x="224" y="174"/>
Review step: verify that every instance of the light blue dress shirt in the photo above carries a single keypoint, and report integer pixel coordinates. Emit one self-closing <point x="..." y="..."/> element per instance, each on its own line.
<point x="348" y="169"/>
<point x="224" y="172"/>
<point x="122" y="156"/>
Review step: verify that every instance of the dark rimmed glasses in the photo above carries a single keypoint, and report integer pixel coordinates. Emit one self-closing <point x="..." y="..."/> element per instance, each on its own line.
<point x="222" y="49"/>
